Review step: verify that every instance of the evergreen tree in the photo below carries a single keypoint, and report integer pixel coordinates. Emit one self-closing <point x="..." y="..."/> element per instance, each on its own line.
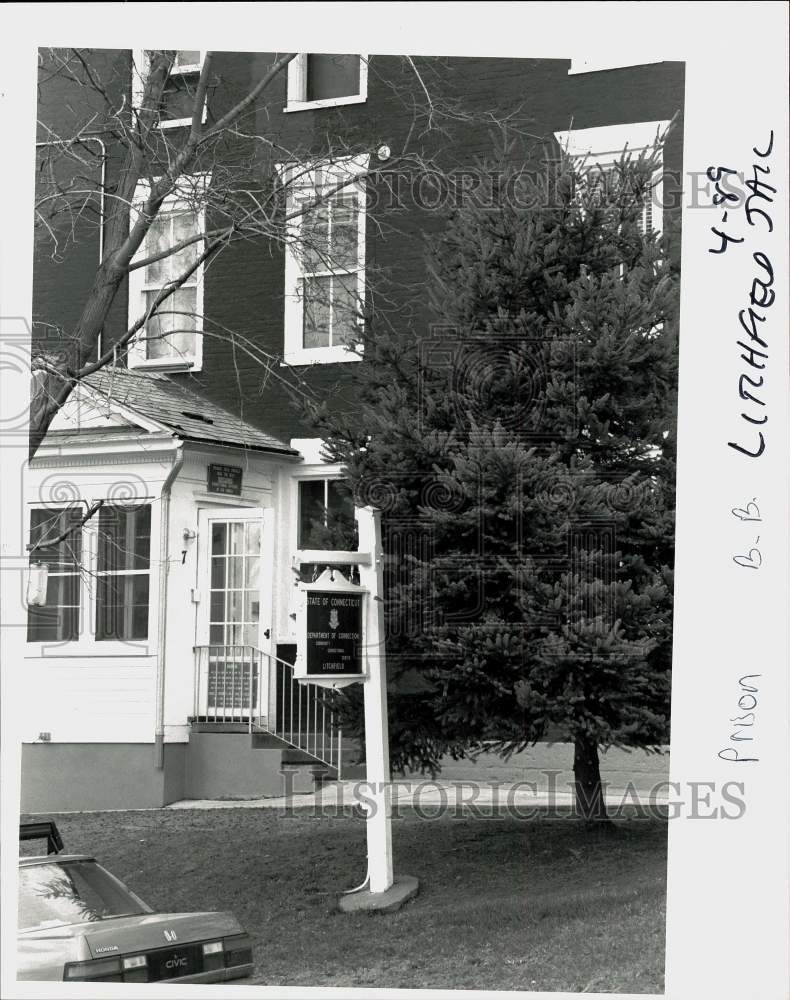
<point x="522" y="452"/>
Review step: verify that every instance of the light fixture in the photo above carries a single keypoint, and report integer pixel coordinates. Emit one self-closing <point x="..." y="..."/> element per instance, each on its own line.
<point x="38" y="575"/>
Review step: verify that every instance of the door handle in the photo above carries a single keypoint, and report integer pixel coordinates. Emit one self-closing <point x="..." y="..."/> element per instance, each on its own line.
<point x="267" y="633"/>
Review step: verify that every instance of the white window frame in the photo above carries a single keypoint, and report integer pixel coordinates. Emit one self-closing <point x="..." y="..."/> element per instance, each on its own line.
<point x="603" y="147"/>
<point x="139" y="71"/>
<point x="321" y="476"/>
<point x="306" y="473"/>
<point x="138" y="286"/>
<point x="296" y="99"/>
<point x="86" y="643"/>
<point x="57" y="510"/>
<point x="189" y="67"/>
<point x="305" y="183"/>
<point x="105" y="574"/>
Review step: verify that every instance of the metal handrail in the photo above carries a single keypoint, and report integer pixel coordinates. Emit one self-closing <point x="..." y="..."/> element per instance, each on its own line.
<point x="228" y="687"/>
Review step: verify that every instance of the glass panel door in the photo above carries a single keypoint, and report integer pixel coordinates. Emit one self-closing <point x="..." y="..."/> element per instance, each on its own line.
<point x="231" y="619"/>
<point x="234" y="603"/>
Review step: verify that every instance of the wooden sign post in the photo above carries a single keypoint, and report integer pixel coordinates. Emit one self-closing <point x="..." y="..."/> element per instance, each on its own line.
<point x="328" y="653"/>
<point x="377" y="751"/>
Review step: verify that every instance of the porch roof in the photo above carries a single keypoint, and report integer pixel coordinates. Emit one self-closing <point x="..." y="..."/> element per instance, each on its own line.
<point x="183" y="411"/>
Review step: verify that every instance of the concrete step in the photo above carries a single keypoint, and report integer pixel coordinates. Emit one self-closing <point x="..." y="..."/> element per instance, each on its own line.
<point x="224" y="765"/>
<point x="260" y="739"/>
<point x="220" y="727"/>
<point x="292" y="755"/>
<point x="266" y="741"/>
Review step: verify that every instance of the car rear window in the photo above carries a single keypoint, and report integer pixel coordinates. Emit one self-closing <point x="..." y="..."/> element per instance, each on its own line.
<point x="72" y="892"/>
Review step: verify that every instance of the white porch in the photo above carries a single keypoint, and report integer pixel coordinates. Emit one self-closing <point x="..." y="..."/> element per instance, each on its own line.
<point x="128" y="718"/>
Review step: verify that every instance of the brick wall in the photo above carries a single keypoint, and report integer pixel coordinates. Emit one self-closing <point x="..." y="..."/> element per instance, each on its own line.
<point x="244" y="286"/>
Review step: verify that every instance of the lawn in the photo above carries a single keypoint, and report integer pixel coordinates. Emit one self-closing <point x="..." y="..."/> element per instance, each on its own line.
<point x="538" y="904"/>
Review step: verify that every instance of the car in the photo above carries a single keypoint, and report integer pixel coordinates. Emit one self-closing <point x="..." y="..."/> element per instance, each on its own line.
<point x="79" y="923"/>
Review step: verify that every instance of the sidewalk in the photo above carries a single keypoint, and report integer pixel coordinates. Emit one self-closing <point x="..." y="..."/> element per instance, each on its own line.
<point x="430" y="796"/>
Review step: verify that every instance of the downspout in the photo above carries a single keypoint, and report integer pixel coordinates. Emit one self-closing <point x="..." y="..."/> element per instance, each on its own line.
<point x="161" y="631"/>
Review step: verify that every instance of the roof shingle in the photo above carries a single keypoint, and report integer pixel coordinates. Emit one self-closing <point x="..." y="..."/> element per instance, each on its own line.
<point x="189" y="415"/>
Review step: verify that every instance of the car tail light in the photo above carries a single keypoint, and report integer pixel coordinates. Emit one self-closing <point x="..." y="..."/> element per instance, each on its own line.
<point x="238" y="950"/>
<point x="108" y="970"/>
<point x="213" y="957"/>
<point x="135" y="969"/>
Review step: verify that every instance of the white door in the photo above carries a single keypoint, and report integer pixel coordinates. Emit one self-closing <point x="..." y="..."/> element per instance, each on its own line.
<point x="235" y="568"/>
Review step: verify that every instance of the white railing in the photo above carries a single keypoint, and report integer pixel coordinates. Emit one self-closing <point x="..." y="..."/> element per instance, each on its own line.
<point x="247" y="686"/>
<point x="228" y="685"/>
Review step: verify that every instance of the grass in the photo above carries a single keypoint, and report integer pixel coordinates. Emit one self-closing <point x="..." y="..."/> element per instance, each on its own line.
<point x="539" y="904"/>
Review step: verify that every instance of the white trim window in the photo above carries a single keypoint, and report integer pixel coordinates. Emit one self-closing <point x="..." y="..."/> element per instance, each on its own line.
<point x="98" y="573"/>
<point x="123" y="563"/>
<point x="318" y="500"/>
<point x="600" y="149"/>
<point x="325" y="262"/>
<point x="58" y="619"/>
<point x="178" y="97"/>
<point x="322" y="500"/>
<point x="326" y="80"/>
<point x="172" y="338"/>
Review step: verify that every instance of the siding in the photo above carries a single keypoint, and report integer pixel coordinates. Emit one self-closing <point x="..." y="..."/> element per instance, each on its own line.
<point x="96" y="700"/>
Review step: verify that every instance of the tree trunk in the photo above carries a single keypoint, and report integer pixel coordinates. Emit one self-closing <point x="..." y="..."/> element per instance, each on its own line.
<point x="590" y="802"/>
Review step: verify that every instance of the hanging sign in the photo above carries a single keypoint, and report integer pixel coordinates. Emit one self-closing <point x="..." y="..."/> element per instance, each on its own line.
<point x="330" y="630"/>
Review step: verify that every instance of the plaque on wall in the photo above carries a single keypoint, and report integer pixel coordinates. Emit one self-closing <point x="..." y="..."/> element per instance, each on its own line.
<point x="225" y="479"/>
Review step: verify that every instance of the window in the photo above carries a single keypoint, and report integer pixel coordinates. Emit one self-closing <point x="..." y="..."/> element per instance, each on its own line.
<point x="187" y="61"/>
<point x="71" y="892"/>
<point x="329" y="272"/>
<point x="123" y="563"/>
<point x="178" y="96"/>
<point x="98" y="572"/>
<point x="601" y="148"/>
<point x="325" y="520"/>
<point x="56" y="541"/>
<point x="326" y="80"/>
<point x="323" y="504"/>
<point x="325" y="263"/>
<point x="171" y="339"/>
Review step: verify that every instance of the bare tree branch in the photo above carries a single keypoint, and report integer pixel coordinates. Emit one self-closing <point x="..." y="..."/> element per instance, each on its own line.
<point x="46" y="543"/>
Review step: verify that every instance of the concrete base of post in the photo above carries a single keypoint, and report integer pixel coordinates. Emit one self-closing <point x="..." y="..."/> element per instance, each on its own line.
<point x="404" y="888"/>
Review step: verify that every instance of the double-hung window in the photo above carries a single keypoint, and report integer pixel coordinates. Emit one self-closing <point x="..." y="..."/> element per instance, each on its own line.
<point x="122" y="569"/>
<point x="326" y="80"/>
<point x="171" y="336"/>
<point x="56" y="542"/>
<point x="97" y="573"/>
<point x="601" y="149"/>
<point x="325" y="520"/>
<point x="178" y="96"/>
<point x="321" y="501"/>
<point x="325" y="262"/>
